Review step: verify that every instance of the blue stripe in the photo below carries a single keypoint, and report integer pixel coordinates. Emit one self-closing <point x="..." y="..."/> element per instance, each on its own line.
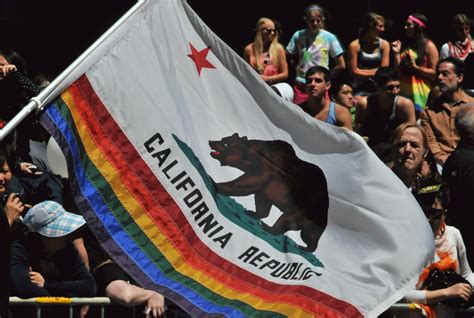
<point x="102" y="212"/>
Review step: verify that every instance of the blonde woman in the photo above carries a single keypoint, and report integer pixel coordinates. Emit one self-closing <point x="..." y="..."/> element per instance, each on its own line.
<point x="266" y="55"/>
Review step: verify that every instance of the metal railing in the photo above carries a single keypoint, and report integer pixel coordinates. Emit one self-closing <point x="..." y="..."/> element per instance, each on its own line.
<point x="105" y="301"/>
<point x="403" y="310"/>
<point x="406" y="307"/>
<point x="39" y="302"/>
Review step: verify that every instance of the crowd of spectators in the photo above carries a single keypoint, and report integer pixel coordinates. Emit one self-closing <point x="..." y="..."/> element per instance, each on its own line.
<point x="411" y="101"/>
<point x="416" y="112"/>
<point x="46" y="250"/>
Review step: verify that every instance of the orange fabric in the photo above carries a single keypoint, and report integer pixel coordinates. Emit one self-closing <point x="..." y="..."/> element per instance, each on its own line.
<point x="447" y="263"/>
<point x="430" y="313"/>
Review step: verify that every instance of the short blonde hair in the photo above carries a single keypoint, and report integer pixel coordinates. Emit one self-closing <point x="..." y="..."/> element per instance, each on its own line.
<point x="397" y="134"/>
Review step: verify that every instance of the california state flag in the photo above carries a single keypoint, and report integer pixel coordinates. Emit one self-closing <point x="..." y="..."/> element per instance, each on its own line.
<point x="206" y="186"/>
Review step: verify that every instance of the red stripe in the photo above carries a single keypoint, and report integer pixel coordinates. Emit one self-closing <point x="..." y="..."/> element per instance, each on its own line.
<point x="137" y="177"/>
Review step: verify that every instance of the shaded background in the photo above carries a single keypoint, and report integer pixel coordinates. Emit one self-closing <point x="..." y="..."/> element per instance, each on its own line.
<point x="50" y="34"/>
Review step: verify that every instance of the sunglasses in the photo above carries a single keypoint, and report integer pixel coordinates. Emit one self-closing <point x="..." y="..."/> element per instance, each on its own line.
<point x="269" y="30"/>
<point x="434" y="214"/>
<point x="391" y="87"/>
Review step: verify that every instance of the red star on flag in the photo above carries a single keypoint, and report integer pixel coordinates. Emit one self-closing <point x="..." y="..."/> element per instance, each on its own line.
<point x="199" y="58"/>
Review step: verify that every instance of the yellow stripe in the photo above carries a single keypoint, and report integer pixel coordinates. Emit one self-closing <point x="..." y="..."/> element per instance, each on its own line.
<point x="147" y="226"/>
<point x="53" y="300"/>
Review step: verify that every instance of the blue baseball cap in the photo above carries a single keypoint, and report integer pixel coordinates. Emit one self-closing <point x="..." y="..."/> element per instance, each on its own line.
<point x="50" y="219"/>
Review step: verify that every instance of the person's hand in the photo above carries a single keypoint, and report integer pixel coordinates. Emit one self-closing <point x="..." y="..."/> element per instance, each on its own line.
<point x="29" y="168"/>
<point x="459" y="290"/>
<point x="155" y="306"/>
<point x="84" y="310"/>
<point x="396" y="46"/>
<point x="267" y="79"/>
<point x="36" y="278"/>
<point x="13" y="208"/>
<point x="410" y="62"/>
<point x="6" y="69"/>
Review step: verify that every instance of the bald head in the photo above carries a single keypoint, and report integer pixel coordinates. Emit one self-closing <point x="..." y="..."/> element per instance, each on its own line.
<point x="464" y="122"/>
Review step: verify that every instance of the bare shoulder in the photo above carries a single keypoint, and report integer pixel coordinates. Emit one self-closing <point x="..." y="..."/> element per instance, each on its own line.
<point x="431" y="47"/>
<point x="341" y="109"/>
<point x="354" y="45"/>
<point x="343" y="112"/>
<point x="361" y="103"/>
<point x="248" y="47"/>
<point x="430" y="44"/>
<point x="385" y="44"/>
<point x="248" y="52"/>
<point x="403" y="102"/>
<point x="343" y="116"/>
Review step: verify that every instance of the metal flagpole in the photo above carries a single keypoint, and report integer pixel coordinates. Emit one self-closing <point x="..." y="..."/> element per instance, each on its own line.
<point x="49" y="92"/>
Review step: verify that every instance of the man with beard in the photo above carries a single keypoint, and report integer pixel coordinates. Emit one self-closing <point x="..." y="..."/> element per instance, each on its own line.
<point x="379" y="114"/>
<point x="438" y="118"/>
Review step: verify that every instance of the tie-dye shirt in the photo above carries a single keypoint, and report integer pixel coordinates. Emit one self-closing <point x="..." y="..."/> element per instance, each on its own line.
<point x="414" y="87"/>
<point x="313" y="50"/>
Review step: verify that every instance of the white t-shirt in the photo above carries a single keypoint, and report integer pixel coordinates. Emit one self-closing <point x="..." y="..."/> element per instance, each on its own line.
<point x="452" y="244"/>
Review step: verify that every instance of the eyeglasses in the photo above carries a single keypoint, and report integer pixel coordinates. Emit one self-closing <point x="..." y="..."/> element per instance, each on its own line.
<point x="269" y="30"/>
<point x="391" y="87"/>
<point x="434" y="214"/>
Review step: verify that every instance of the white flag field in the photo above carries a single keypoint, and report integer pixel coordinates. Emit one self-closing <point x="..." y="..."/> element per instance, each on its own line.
<point x="209" y="188"/>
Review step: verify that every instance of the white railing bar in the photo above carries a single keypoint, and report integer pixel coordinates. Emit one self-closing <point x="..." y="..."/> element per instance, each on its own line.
<point x="74" y="301"/>
<point x="105" y="301"/>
